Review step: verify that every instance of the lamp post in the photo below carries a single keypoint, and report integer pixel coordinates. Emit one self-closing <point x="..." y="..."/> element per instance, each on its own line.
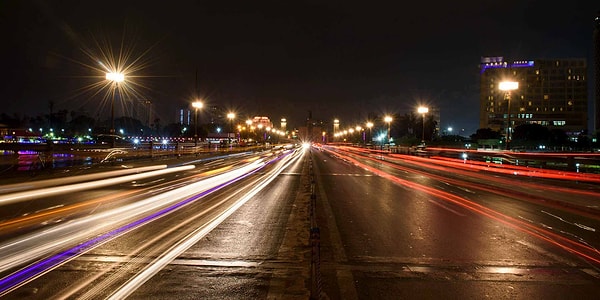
<point x="336" y="127"/>
<point x="423" y="110"/>
<point x="196" y="105"/>
<point x="507" y="87"/>
<point x="388" y="120"/>
<point x="115" y="78"/>
<point x="249" y="124"/>
<point x="361" y="135"/>
<point x="230" y="116"/>
<point x="370" y="125"/>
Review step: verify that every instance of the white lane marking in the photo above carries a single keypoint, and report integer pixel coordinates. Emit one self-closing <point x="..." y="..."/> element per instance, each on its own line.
<point x="447" y="208"/>
<point x="585" y="227"/>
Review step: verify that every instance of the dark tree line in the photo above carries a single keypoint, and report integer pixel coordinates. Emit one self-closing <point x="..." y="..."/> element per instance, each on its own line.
<point x="73" y="123"/>
<point x="531" y="136"/>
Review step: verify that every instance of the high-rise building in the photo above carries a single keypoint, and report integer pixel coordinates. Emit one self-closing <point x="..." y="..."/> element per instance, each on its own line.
<point x="185" y="116"/>
<point x="143" y="111"/>
<point x="551" y="92"/>
<point x="596" y="41"/>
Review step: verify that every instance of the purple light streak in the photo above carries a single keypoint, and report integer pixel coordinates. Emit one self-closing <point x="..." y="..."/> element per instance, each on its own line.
<point x="36" y="270"/>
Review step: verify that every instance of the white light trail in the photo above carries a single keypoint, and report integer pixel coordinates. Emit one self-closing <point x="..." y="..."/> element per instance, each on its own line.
<point x="52" y="191"/>
<point x="192" y="238"/>
<point x="37" y="244"/>
<point x="72" y="179"/>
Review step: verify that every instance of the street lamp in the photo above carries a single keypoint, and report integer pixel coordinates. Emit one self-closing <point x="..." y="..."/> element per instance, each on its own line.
<point x="423" y="110"/>
<point x="196" y="105"/>
<point x="370" y="125"/>
<point x="507" y="87"/>
<point x="249" y="124"/>
<point x="388" y="120"/>
<point x="336" y="126"/>
<point x="115" y="78"/>
<point x="230" y="116"/>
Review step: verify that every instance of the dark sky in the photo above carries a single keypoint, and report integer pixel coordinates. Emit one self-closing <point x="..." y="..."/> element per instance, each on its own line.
<point x="341" y="59"/>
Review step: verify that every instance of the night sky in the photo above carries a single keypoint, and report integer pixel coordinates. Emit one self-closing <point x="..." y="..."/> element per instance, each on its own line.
<point x="341" y="60"/>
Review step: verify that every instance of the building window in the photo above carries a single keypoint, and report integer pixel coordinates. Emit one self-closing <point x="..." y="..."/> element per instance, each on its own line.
<point x="546" y="97"/>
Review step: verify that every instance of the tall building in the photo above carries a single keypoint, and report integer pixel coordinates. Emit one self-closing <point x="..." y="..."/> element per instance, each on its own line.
<point x="185" y="116"/>
<point x="551" y="92"/>
<point x="143" y="111"/>
<point x="596" y="40"/>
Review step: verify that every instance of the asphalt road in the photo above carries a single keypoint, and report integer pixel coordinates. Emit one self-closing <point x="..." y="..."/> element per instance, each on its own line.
<point x="226" y="229"/>
<point x="410" y="231"/>
<point x="327" y="223"/>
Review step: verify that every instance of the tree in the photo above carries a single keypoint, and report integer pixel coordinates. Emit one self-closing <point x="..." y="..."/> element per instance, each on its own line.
<point x="558" y="137"/>
<point x="81" y="124"/>
<point x="531" y="132"/>
<point x="485" y="134"/>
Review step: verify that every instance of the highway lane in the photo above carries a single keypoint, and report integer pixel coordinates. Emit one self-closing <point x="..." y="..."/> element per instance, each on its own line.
<point x="135" y="248"/>
<point x="394" y="229"/>
<point x="43" y="203"/>
<point x="567" y="207"/>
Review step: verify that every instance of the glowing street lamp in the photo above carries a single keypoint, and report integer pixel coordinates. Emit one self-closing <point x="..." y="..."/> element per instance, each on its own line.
<point x="230" y="116"/>
<point x="196" y="105"/>
<point x="423" y="110"/>
<point x="507" y="87"/>
<point x="388" y="120"/>
<point x="115" y="78"/>
<point x="336" y="126"/>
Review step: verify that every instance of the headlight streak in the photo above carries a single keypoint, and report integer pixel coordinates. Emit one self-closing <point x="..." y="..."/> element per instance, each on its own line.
<point x="71" y="231"/>
<point x="195" y="236"/>
<point x="38" y="269"/>
<point x="65" y="209"/>
<point x="52" y="191"/>
<point x="71" y="179"/>
<point x="213" y="158"/>
<point x="567" y="244"/>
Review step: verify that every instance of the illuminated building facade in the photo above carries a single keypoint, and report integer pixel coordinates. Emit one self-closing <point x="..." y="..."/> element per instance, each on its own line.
<point x="551" y="92"/>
